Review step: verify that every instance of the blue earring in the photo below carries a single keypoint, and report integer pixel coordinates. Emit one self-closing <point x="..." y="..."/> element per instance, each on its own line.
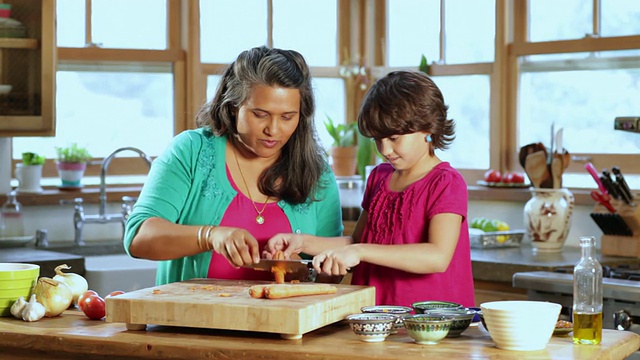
<point x="428" y="138"/>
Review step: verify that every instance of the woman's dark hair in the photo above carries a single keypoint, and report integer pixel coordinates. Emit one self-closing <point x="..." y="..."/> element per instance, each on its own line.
<point x="405" y="102"/>
<point x="296" y="174"/>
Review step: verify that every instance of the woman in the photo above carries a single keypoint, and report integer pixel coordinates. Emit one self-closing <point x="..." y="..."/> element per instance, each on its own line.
<point x="252" y="169"/>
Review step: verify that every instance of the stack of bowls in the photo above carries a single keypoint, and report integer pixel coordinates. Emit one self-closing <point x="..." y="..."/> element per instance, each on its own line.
<point x="462" y="318"/>
<point x="427" y="329"/>
<point x="16" y="280"/>
<point x="400" y="311"/>
<point x="519" y="324"/>
<point x="371" y="327"/>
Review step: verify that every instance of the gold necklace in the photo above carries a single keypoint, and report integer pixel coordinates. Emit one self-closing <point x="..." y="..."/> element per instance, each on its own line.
<point x="259" y="218"/>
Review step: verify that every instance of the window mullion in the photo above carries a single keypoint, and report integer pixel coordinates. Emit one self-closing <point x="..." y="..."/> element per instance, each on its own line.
<point x="87" y="30"/>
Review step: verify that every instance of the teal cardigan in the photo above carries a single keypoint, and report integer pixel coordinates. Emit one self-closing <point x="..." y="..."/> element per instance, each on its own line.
<point x="188" y="185"/>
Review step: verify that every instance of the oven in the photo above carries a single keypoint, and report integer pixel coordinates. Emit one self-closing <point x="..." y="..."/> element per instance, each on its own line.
<point x="620" y="288"/>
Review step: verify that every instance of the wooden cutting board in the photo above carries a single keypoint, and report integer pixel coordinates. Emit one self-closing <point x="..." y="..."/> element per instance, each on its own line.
<point x="226" y="304"/>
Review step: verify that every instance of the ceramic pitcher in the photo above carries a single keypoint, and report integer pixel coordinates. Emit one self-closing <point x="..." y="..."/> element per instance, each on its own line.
<point x="547" y="218"/>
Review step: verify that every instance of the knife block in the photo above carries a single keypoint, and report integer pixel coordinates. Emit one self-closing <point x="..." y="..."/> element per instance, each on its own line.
<point x="618" y="245"/>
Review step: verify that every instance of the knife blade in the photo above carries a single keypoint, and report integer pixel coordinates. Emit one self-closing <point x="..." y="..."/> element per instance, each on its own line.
<point x="287" y="265"/>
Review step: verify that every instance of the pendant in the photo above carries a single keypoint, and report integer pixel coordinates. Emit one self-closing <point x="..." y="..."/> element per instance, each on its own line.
<point x="260" y="219"/>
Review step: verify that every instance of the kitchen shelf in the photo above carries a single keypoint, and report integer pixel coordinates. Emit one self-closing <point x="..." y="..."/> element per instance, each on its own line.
<point x="18" y="43"/>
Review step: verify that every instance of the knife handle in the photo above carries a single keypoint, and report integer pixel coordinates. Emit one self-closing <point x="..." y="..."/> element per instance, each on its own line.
<point x="594" y="175"/>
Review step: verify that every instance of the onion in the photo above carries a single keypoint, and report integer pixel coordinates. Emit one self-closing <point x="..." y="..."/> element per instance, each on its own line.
<point x="54" y="295"/>
<point x="75" y="282"/>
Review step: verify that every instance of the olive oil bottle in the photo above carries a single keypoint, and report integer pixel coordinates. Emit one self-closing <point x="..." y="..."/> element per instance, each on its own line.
<point x="587" y="295"/>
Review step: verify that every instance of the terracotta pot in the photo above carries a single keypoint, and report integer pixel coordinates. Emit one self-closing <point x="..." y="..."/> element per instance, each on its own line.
<point x="344" y="160"/>
<point x="71" y="174"/>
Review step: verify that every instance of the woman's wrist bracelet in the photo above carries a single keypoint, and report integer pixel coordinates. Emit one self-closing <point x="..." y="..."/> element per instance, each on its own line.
<point x="203" y="238"/>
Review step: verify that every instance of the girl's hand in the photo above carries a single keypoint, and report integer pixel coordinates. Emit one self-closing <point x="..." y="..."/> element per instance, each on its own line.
<point x="237" y="245"/>
<point x="337" y="261"/>
<point x="289" y="244"/>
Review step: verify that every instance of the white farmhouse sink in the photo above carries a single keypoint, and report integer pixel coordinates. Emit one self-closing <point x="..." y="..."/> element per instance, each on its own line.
<point x="108" y="273"/>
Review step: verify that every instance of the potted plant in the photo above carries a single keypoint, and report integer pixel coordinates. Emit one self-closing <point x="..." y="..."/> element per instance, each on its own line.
<point x="344" y="150"/>
<point x="71" y="164"/>
<point x="29" y="172"/>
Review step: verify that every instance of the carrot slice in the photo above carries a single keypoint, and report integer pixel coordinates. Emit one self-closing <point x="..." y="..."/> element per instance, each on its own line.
<point x="281" y="291"/>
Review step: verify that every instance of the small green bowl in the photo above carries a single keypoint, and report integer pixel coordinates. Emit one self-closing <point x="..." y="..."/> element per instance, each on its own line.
<point x="16" y="280"/>
<point x="421" y="306"/>
<point x="426" y="329"/>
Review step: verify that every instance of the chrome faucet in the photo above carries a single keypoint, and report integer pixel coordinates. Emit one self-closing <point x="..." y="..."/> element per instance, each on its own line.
<point x="79" y="218"/>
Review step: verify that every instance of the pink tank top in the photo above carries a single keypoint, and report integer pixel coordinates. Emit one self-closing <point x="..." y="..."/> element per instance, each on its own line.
<point x="242" y="214"/>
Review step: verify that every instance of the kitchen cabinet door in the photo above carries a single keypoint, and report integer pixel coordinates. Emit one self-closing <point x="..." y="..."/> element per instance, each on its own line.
<point x="27" y="64"/>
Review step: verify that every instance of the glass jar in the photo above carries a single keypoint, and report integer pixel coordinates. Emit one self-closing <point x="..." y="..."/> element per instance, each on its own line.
<point x="587" y="295"/>
<point x="11" y="217"/>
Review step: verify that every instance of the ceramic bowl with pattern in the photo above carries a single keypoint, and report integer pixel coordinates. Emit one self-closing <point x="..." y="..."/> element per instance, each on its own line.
<point x="400" y="311"/>
<point x="371" y="327"/>
<point x="16" y="280"/>
<point x="426" y="329"/>
<point x="521" y="325"/>
<point x="461" y="319"/>
<point x="421" y="306"/>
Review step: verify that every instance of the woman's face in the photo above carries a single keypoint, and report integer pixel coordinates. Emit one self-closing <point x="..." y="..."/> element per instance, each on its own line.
<point x="268" y="118"/>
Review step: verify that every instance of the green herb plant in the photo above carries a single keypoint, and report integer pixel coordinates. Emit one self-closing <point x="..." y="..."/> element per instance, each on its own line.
<point x="29" y="158"/>
<point x="343" y="135"/>
<point x="73" y="154"/>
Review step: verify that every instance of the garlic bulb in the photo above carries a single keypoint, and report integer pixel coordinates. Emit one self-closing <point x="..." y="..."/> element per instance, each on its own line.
<point x="33" y="311"/>
<point x="54" y="295"/>
<point x="16" y="308"/>
<point x="76" y="283"/>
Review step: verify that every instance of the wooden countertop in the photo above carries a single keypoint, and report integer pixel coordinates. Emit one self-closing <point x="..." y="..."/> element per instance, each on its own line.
<point x="73" y="336"/>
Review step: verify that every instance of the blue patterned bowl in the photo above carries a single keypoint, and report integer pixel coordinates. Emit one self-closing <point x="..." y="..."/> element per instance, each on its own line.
<point x="400" y="311"/>
<point x="427" y="329"/>
<point x="461" y="319"/>
<point x="371" y="327"/>
<point x="421" y="306"/>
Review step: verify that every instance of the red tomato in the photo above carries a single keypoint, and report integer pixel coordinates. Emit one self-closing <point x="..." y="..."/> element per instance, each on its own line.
<point x="81" y="297"/>
<point x="94" y="307"/>
<point x="517" y="178"/>
<point x="492" y="176"/>
<point x="114" y="293"/>
<point x="507" y="178"/>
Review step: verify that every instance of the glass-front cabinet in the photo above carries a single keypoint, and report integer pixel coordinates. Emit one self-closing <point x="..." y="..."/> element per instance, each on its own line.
<point x="27" y="67"/>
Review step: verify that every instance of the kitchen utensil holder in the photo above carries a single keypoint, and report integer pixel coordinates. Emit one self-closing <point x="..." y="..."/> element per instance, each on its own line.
<point x="612" y="242"/>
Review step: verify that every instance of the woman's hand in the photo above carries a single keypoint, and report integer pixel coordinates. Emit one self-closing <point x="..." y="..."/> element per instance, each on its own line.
<point x="289" y="244"/>
<point x="337" y="261"/>
<point x="237" y="245"/>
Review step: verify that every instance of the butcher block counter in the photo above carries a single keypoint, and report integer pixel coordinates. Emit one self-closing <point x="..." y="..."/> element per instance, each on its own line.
<point x="73" y="336"/>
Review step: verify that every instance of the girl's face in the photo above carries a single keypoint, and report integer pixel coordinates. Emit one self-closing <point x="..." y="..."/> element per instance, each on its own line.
<point x="404" y="151"/>
<point x="268" y="118"/>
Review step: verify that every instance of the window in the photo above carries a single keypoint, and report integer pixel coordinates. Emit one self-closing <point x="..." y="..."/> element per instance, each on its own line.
<point x="103" y="102"/>
<point x="229" y="27"/>
<point x="582" y="91"/>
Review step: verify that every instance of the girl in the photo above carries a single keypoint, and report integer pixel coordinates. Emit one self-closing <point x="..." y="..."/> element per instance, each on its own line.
<point x="411" y="241"/>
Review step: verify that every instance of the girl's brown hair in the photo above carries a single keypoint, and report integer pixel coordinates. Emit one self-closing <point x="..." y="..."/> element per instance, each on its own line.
<point x="405" y="102"/>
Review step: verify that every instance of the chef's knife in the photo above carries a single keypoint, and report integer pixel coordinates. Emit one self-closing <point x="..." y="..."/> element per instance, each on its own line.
<point x="624" y="188"/>
<point x="287" y="265"/>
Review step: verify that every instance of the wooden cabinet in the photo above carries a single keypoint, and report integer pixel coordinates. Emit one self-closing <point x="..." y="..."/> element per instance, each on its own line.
<point x="29" y="65"/>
